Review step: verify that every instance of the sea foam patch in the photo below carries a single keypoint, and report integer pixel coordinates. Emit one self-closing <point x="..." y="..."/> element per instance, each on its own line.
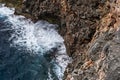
<point x="37" y="38"/>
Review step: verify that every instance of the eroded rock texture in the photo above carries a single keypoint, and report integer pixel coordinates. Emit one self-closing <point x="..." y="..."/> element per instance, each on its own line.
<point x="91" y="32"/>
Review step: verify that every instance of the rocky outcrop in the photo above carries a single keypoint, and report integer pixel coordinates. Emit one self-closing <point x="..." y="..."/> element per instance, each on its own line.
<point x="13" y="3"/>
<point x="104" y="48"/>
<point x="91" y="32"/>
<point x="78" y="19"/>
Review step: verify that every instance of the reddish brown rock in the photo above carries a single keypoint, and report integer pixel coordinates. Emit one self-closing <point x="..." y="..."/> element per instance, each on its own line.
<point x="90" y="29"/>
<point x="91" y="32"/>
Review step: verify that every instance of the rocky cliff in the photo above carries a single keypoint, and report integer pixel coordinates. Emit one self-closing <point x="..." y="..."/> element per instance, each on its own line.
<point x="91" y="32"/>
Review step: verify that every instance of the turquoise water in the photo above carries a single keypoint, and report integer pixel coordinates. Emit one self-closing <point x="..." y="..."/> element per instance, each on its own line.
<point x="30" y="51"/>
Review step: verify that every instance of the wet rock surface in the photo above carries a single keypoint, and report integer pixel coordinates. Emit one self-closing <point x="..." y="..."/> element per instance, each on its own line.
<point x="91" y="32"/>
<point x="13" y="3"/>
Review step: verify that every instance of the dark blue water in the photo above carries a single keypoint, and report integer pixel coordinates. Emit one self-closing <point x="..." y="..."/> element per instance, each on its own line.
<point x="28" y="58"/>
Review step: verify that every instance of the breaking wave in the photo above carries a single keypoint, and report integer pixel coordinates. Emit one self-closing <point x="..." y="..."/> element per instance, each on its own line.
<point x="30" y="51"/>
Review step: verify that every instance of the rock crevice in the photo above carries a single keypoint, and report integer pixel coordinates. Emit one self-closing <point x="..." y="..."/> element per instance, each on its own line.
<point x="90" y="29"/>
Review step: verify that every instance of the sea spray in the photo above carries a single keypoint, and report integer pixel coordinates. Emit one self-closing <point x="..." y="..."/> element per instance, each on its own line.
<point x="36" y="47"/>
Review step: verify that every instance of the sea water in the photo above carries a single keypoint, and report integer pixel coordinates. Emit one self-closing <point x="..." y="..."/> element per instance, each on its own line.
<point x="30" y="51"/>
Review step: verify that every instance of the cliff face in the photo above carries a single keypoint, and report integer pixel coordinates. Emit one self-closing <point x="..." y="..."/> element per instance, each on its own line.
<point x="78" y="19"/>
<point x="91" y="32"/>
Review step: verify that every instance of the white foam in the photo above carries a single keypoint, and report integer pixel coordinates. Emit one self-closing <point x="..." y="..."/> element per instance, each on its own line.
<point x="37" y="37"/>
<point x="5" y="10"/>
<point x="49" y="75"/>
